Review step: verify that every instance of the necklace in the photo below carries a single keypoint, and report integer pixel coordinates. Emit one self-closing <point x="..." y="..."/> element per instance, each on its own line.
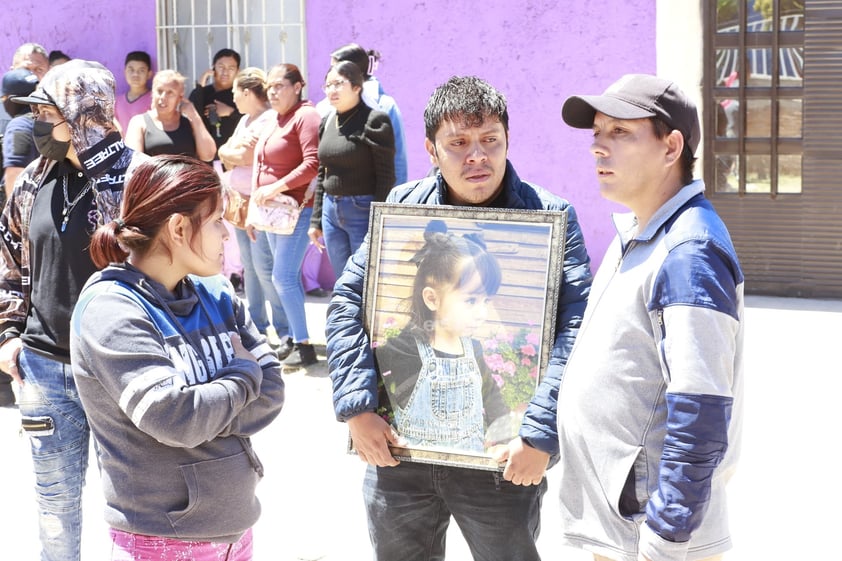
<point x="70" y="205"/>
<point x="348" y="118"/>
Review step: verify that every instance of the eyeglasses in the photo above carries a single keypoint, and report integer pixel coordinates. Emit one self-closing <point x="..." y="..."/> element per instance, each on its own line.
<point x="225" y="69"/>
<point x="336" y="85"/>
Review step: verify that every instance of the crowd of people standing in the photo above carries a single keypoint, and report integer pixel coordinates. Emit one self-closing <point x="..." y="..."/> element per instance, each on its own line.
<point x="258" y="135"/>
<point x="116" y="320"/>
<point x="267" y="139"/>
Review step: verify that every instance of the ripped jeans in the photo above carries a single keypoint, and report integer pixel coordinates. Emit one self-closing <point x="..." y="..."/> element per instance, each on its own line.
<point x="52" y="416"/>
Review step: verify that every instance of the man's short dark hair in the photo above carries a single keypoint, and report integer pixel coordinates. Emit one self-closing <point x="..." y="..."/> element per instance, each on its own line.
<point x="227" y="52"/>
<point x="139" y="56"/>
<point x="662" y="129"/>
<point x="58" y="55"/>
<point x="464" y="99"/>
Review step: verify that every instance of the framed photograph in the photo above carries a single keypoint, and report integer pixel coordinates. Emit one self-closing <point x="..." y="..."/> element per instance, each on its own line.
<point x="460" y="307"/>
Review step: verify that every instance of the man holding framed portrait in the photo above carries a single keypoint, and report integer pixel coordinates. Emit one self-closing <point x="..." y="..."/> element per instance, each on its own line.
<point x="409" y="504"/>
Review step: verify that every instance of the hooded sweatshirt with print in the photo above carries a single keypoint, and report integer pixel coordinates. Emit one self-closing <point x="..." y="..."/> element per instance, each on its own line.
<point x="171" y="407"/>
<point x="42" y="271"/>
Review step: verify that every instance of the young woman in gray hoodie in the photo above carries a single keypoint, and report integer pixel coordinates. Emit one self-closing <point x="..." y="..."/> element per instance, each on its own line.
<point x="173" y="373"/>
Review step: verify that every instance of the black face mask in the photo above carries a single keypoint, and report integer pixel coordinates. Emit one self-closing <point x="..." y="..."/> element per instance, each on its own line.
<point x="49" y="147"/>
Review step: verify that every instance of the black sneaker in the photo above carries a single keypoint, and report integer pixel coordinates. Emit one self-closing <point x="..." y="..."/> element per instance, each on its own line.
<point x="284" y="348"/>
<point x="303" y="354"/>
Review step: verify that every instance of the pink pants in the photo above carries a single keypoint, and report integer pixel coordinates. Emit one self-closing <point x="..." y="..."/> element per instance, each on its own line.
<point x="136" y="547"/>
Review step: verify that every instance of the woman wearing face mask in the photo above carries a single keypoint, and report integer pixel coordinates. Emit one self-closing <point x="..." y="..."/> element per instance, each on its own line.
<point x="60" y="199"/>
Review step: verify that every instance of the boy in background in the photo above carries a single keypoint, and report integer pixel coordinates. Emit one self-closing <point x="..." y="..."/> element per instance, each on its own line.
<point x="138" y="72"/>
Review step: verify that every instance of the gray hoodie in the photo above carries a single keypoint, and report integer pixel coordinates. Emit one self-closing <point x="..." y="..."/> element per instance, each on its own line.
<point x="170" y="406"/>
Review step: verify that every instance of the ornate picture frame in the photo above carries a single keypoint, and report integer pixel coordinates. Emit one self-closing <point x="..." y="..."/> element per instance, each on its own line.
<point x="460" y="307"/>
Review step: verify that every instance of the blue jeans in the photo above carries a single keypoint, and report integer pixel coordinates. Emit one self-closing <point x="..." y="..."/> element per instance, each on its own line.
<point x="344" y="225"/>
<point x="409" y="508"/>
<point x="256" y="257"/>
<point x="288" y="252"/>
<point x="58" y="432"/>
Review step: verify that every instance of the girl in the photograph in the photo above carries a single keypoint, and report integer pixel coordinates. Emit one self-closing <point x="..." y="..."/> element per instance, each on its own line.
<point x="440" y="389"/>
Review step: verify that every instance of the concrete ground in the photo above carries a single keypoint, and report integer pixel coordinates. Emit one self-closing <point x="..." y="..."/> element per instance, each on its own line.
<point x="784" y="499"/>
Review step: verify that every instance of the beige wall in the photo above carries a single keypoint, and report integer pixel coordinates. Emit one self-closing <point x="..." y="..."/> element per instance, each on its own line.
<point x="679" y="49"/>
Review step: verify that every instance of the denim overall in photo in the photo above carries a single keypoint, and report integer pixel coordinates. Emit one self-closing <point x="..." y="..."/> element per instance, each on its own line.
<point x="445" y="408"/>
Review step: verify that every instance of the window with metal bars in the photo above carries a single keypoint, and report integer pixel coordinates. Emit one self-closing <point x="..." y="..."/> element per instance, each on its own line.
<point x="754" y="92"/>
<point x="263" y="32"/>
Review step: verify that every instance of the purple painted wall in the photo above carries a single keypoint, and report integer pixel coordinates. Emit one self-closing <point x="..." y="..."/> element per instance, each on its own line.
<point x="101" y="30"/>
<point x="537" y="52"/>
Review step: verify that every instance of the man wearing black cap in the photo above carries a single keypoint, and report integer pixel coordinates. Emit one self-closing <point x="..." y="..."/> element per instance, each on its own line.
<point x="649" y="411"/>
<point x="18" y="151"/>
<point x="58" y="201"/>
<point x="32" y="57"/>
<point x="18" y="148"/>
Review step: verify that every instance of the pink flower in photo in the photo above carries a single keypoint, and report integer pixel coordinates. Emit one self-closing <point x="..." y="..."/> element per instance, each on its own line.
<point x="533" y="339"/>
<point x="494" y="361"/>
<point x="528" y="350"/>
<point x="513" y="359"/>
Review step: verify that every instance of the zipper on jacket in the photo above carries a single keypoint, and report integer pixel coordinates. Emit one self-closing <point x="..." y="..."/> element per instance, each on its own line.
<point x="625" y="252"/>
<point x="659" y="315"/>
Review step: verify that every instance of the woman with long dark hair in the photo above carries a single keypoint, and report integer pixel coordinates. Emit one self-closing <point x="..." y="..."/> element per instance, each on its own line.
<point x="356" y="165"/>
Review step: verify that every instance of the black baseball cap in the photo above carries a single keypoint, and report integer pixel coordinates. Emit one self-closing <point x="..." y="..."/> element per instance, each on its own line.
<point x="38" y="97"/>
<point x="19" y="81"/>
<point x="638" y="96"/>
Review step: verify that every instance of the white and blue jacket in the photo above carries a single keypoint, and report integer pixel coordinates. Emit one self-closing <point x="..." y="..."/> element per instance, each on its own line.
<point x="650" y="404"/>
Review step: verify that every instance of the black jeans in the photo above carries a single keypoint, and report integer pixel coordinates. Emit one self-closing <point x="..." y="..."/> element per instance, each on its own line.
<point x="410" y="505"/>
